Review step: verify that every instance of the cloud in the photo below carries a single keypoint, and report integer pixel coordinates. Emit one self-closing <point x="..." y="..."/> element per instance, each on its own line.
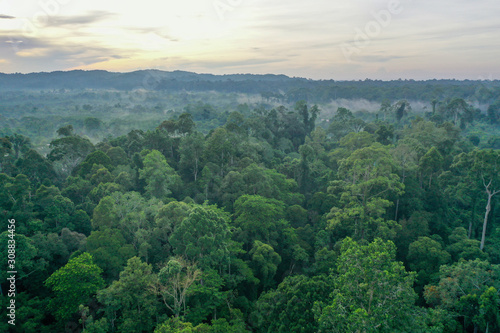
<point x="162" y="32"/>
<point x="7" y="17"/>
<point x="376" y="58"/>
<point x="88" y="18"/>
<point x="35" y="53"/>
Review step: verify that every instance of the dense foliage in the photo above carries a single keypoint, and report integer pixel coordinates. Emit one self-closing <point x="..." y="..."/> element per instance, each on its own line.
<point x="259" y="218"/>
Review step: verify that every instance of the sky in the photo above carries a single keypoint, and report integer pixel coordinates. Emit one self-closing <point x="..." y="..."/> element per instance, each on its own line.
<point x="316" y="39"/>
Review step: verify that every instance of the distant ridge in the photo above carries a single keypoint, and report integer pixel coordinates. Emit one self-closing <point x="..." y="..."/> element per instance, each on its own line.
<point x="270" y="86"/>
<point x="143" y="79"/>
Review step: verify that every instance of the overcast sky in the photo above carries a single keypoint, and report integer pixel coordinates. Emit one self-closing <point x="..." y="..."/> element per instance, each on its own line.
<point x="318" y="39"/>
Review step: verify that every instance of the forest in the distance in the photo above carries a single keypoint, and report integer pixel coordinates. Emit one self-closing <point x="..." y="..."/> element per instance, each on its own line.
<point x="176" y="202"/>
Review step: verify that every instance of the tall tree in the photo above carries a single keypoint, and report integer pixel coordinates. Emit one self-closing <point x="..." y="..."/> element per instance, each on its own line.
<point x="160" y="177"/>
<point x="132" y="298"/>
<point x="482" y="167"/>
<point x="74" y="284"/>
<point x="461" y="287"/>
<point x="191" y="150"/>
<point x="173" y="283"/>
<point x="203" y="236"/>
<point x="373" y="292"/>
<point x="367" y="177"/>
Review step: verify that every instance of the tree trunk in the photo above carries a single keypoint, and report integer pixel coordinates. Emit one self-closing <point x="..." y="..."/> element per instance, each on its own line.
<point x="397" y="207"/>
<point x="491" y="194"/>
<point x="485" y="223"/>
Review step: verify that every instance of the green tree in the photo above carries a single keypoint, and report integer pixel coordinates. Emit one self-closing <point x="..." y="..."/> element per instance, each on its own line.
<point x="118" y="156"/>
<point x="220" y="149"/>
<point x="460" y="288"/>
<point x="92" y="124"/>
<point x="67" y="152"/>
<point x="373" y="292"/>
<point x="425" y="256"/>
<point x="462" y="247"/>
<point x="430" y="164"/>
<point x="481" y="167"/>
<point x="105" y="215"/>
<point x="457" y="110"/>
<point x="20" y="144"/>
<point x="264" y="262"/>
<point x="367" y="179"/>
<point x="401" y="109"/>
<point x="74" y="284"/>
<point x="191" y="150"/>
<point x="65" y="130"/>
<point x="160" y="177"/>
<point x="258" y="218"/>
<point x="289" y="308"/>
<point x="132" y="297"/>
<point x="56" y="211"/>
<point x="203" y="236"/>
<point x="493" y="113"/>
<point x="110" y="251"/>
<point x="95" y="158"/>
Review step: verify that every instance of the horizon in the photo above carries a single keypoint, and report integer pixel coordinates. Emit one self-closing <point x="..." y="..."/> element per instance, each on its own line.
<point x="259" y="74"/>
<point x="368" y="39"/>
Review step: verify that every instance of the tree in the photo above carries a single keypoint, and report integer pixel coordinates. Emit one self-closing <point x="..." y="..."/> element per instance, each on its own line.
<point x="67" y="152"/>
<point x="493" y="113"/>
<point x="35" y="166"/>
<point x="185" y="124"/>
<point x="373" y="292"/>
<point x="65" y="130"/>
<point x="289" y="308"/>
<point x="118" y="156"/>
<point x="109" y="250"/>
<point x="25" y="255"/>
<point x="308" y="116"/>
<point x="258" y="218"/>
<point x="92" y="124"/>
<point x="159" y="176"/>
<point x="431" y="163"/>
<point x="401" y="108"/>
<point x="425" y="256"/>
<point x="105" y="215"/>
<point x="385" y="108"/>
<point x="458" y="109"/>
<point x="220" y="149"/>
<point x="482" y="167"/>
<point x="256" y="180"/>
<point x="20" y="144"/>
<point x="264" y="263"/>
<point x="191" y="151"/>
<point x="462" y="247"/>
<point x="344" y="122"/>
<point x="203" y="236"/>
<point x="460" y="288"/>
<point x="95" y="158"/>
<point x="132" y="297"/>
<point x="173" y="283"/>
<point x="367" y="178"/>
<point x="53" y="208"/>
<point x="74" y="284"/>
